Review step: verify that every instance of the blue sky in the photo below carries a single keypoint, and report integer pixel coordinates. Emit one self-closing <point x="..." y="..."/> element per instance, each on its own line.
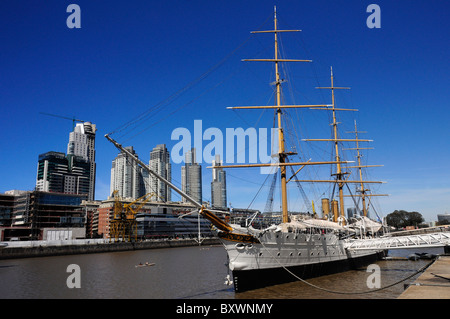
<point x="128" y="56"/>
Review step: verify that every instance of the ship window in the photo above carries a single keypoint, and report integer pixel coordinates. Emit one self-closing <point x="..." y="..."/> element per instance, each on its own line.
<point x="260" y="254"/>
<point x="291" y="254"/>
<point x="278" y="254"/>
<point x="299" y="253"/>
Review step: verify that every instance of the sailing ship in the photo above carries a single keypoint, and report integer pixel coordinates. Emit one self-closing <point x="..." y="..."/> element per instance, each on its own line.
<point x="301" y="246"/>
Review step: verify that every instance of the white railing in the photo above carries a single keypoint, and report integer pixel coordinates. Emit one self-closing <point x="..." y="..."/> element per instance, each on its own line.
<point x="440" y="239"/>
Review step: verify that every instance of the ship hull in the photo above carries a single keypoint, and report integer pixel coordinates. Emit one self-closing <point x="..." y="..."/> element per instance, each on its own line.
<point x="282" y="257"/>
<point x="245" y="280"/>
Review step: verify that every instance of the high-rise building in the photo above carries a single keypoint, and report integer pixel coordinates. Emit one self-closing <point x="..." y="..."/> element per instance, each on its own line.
<point x="160" y="164"/>
<point x="127" y="177"/>
<point x="82" y="144"/>
<point x="218" y="185"/>
<point x="191" y="177"/>
<point x="58" y="173"/>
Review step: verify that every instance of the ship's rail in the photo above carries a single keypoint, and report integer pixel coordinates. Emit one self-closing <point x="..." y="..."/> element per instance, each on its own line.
<point x="439" y="239"/>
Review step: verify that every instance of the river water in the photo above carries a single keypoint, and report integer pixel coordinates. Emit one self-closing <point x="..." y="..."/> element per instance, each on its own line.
<point x="177" y="273"/>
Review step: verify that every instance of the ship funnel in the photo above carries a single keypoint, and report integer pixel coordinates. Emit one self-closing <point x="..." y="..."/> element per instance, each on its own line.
<point x="335" y="209"/>
<point x="325" y="207"/>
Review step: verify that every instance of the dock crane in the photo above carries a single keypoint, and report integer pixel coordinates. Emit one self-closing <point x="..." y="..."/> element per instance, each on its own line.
<point x="124" y="224"/>
<point x="73" y="119"/>
<point x="117" y="226"/>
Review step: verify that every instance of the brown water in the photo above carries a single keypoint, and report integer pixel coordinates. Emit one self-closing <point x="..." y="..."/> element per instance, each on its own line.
<point x="178" y="273"/>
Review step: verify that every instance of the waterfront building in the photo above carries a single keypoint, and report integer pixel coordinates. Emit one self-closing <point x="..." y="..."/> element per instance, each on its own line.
<point x="59" y="173"/>
<point x="218" y="185"/>
<point x="160" y="163"/>
<point x="91" y="209"/>
<point x="154" y="220"/>
<point x="35" y="211"/>
<point x="443" y="219"/>
<point x="128" y="178"/>
<point x="82" y="144"/>
<point x="152" y="226"/>
<point x="6" y="208"/>
<point x="191" y="177"/>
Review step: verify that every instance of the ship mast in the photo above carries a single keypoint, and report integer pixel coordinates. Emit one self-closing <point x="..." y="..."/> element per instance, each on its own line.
<point x="340" y="175"/>
<point x="340" y="180"/>
<point x="362" y="189"/>
<point x="278" y="107"/>
<point x="364" y="192"/>
<point x="282" y="154"/>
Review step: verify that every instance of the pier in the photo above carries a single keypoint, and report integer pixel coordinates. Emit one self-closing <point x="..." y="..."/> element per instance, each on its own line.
<point x="434" y="283"/>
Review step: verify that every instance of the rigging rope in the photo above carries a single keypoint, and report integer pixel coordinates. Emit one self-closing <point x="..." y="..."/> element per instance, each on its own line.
<point x="150" y="112"/>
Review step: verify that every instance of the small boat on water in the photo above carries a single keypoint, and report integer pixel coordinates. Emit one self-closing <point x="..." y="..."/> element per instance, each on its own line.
<point x="147" y="264"/>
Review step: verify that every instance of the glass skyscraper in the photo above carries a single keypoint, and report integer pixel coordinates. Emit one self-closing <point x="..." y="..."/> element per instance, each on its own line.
<point x="191" y="177"/>
<point x="160" y="164"/>
<point x="82" y="144"/>
<point x="218" y="185"/>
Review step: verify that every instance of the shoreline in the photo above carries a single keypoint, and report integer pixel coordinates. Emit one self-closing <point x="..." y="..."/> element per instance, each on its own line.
<point x="74" y="249"/>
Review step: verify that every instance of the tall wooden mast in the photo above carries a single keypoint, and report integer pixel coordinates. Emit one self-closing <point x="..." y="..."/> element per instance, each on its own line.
<point x="278" y="107"/>
<point x="282" y="155"/>
<point x="340" y="180"/>
<point x="281" y="150"/>
<point x="340" y="175"/>
<point x="364" y="192"/>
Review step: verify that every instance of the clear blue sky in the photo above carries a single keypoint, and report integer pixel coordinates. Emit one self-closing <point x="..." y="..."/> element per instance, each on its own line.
<point x="129" y="56"/>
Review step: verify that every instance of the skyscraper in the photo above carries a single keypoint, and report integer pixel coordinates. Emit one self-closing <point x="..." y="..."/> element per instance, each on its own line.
<point x="191" y="177"/>
<point x="127" y="177"/>
<point x="160" y="164"/>
<point x="218" y="185"/>
<point x="58" y="173"/>
<point x="82" y="144"/>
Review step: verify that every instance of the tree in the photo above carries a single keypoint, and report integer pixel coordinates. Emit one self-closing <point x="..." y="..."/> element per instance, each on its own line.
<point x="401" y="218"/>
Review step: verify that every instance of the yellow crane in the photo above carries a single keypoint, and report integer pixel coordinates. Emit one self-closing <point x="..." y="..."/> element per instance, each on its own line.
<point x="124" y="224"/>
<point x="117" y="226"/>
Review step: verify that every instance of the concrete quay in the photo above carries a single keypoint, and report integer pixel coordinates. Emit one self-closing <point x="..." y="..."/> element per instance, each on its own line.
<point x="92" y="247"/>
<point x="434" y="283"/>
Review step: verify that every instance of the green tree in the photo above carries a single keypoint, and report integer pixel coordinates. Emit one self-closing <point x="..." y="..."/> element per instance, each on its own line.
<point x="402" y="218"/>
